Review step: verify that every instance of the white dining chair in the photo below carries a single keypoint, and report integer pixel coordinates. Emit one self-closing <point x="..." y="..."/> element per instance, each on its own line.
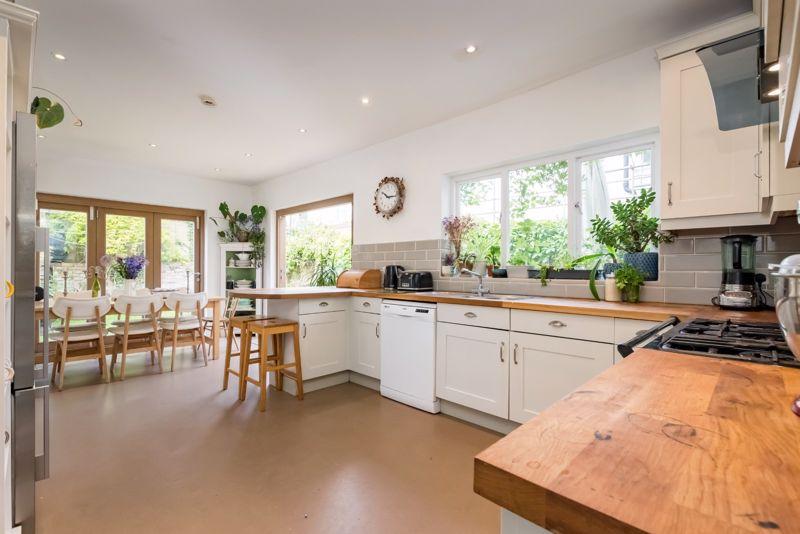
<point x="139" y="331"/>
<point x="186" y="328"/>
<point x="85" y="342"/>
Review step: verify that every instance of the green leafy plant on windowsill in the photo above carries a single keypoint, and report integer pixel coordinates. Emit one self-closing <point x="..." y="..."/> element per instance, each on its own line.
<point x="629" y="279"/>
<point x="599" y="259"/>
<point x="241" y="227"/>
<point x="632" y="229"/>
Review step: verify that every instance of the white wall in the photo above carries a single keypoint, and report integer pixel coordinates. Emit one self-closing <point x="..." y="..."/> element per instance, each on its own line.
<point x="111" y="181"/>
<point x="613" y="99"/>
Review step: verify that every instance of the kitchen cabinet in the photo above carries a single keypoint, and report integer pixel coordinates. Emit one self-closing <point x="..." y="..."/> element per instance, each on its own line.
<point x="365" y="343"/>
<point x="323" y="343"/>
<point x="705" y="171"/>
<point x="544" y="369"/>
<point x="472" y="367"/>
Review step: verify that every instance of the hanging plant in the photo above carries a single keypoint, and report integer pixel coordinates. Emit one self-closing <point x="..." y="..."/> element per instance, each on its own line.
<point x="48" y="113"/>
<point x="241" y="227"/>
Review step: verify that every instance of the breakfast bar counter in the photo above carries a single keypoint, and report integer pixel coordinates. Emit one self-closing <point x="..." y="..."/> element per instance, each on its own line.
<point x="661" y="442"/>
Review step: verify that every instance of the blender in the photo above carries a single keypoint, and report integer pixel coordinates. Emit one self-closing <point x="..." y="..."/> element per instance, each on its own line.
<point x="741" y="286"/>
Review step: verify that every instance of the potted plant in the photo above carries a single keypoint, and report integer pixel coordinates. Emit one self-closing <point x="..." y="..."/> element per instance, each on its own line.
<point x="125" y="268"/>
<point x="455" y="227"/>
<point x="608" y="267"/>
<point x="449" y="262"/>
<point x="633" y="231"/>
<point x="467" y="262"/>
<point x="492" y="259"/>
<point x="243" y="228"/>
<point x="629" y="279"/>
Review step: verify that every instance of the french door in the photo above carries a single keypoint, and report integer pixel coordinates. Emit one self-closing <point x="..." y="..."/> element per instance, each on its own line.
<point x="83" y="230"/>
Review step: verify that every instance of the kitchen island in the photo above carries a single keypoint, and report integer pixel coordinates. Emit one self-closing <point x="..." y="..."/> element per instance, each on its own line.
<point x="662" y="442"/>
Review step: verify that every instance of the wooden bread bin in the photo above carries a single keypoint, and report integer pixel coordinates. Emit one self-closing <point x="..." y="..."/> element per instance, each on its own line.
<point x="360" y="279"/>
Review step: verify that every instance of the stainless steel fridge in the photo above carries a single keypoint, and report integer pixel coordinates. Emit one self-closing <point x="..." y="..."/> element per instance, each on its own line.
<point x="30" y="423"/>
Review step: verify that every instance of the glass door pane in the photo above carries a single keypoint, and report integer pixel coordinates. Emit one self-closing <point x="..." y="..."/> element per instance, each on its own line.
<point x="124" y="236"/>
<point x="178" y="255"/>
<point x="68" y="250"/>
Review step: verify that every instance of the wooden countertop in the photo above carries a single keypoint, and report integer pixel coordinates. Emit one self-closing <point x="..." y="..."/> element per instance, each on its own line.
<point x="643" y="310"/>
<point x="661" y="442"/>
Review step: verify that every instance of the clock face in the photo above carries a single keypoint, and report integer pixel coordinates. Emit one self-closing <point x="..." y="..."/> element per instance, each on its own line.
<point x="389" y="197"/>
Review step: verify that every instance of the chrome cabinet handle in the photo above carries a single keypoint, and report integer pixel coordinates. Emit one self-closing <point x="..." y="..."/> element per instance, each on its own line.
<point x="470" y="315"/>
<point x="365" y="304"/>
<point x="515" y="353"/>
<point x="377" y="329"/>
<point x="304" y="330"/>
<point x="557" y="324"/>
<point x="323" y="304"/>
<point x="669" y="193"/>
<point x="757" y="164"/>
<point x="502" y="348"/>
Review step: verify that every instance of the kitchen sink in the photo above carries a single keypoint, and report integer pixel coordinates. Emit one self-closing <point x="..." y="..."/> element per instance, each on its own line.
<point x="491" y="296"/>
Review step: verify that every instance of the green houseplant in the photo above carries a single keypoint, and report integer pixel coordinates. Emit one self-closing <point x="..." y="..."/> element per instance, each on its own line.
<point x="633" y="231"/>
<point x="492" y="258"/>
<point x="238" y="226"/>
<point x="629" y="279"/>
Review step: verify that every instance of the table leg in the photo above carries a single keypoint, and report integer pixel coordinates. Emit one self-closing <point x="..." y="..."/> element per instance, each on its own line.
<point x="217" y="320"/>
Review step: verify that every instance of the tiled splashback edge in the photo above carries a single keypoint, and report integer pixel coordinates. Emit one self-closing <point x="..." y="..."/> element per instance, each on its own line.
<point x="690" y="265"/>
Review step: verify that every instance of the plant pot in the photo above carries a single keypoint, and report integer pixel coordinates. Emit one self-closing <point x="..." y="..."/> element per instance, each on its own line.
<point x="611" y="267"/>
<point x="562" y="274"/>
<point x="632" y="294"/>
<point x="243" y="236"/>
<point x="447" y="270"/>
<point x="646" y="262"/>
<point x="490" y="271"/>
<point x="129" y="287"/>
<point x="480" y="267"/>
<point x="517" y="271"/>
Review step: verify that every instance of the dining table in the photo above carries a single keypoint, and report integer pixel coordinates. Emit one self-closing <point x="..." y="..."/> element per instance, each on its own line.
<point x="215" y="304"/>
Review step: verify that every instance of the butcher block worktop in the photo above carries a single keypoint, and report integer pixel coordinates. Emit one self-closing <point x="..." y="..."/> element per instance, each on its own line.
<point x="661" y="442"/>
<point x="652" y="311"/>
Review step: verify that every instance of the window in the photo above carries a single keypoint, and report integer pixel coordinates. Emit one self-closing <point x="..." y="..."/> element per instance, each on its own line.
<point x="539" y="213"/>
<point x="82" y="230"/>
<point x="314" y="242"/>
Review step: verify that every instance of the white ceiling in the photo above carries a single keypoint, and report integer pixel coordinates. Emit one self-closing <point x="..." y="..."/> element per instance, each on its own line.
<point x="134" y="70"/>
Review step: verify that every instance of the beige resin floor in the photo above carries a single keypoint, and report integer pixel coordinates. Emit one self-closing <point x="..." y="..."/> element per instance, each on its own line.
<point x="173" y="453"/>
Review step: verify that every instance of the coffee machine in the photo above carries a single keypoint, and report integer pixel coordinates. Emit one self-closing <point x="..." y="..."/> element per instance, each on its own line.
<point x="741" y="286"/>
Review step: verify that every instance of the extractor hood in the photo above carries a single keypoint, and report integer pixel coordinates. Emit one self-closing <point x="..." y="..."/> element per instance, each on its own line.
<point x="744" y="87"/>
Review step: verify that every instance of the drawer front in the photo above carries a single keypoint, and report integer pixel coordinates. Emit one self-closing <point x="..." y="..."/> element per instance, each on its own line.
<point x="322" y="305"/>
<point x="626" y="329"/>
<point x="563" y="325"/>
<point x="474" y="316"/>
<point x="365" y="304"/>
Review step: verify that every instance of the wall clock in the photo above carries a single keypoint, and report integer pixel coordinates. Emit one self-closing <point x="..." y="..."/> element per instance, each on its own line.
<point x="389" y="197"/>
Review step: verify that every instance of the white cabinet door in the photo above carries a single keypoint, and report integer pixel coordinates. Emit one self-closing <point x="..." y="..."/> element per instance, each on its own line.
<point x="323" y="343"/>
<point x="365" y="344"/>
<point x="544" y="369"/>
<point x="472" y="367"/>
<point x="704" y="171"/>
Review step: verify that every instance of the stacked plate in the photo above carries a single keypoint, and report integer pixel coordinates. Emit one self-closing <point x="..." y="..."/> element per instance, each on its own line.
<point x="242" y="284"/>
<point x="244" y="263"/>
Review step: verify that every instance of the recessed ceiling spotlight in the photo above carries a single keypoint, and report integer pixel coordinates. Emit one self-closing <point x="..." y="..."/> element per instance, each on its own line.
<point x="59" y="56"/>
<point x="775" y="67"/>
<point x="365" y="100"/>
<point x="152" y="145"/>
<point x="774" y="92"/>
<point x="208" y="101"/>
<point x="471" y="49"/>
<point x="248" y="154"/>
<point x="302" y="130"/>
<point x="217" y="169"/>
<point x="41" y="136"/>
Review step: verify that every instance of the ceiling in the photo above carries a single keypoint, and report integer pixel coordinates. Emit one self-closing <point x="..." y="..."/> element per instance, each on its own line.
<point x="134" y="70"/>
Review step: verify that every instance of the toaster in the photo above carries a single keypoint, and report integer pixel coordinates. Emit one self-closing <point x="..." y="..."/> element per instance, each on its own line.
<point x="415" y="281"/>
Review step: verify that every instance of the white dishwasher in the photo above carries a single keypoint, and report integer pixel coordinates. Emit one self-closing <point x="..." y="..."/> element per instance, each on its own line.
<point x="408" y="353"/>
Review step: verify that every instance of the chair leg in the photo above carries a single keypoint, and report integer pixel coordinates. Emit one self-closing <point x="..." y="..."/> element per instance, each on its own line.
<point x="114" y="352"/>
<point x="101" y="347"/>
<point x="194" y="343"/>
<point x="124" y="358"/>
<point x="159" y="352"/>
<point x="174" y="349"/>
<point x="203" y="348"/>
<point x="62" y="365"/>
<point x="279" y="354"/>
<point x="244" y="362"/>
<point x="228" y="342"/>
<point x="297" y="365"/>
<point x="262" y="373"/>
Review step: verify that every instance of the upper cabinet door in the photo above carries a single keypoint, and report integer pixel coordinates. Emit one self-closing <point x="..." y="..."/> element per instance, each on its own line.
<point x="704" y="171"/>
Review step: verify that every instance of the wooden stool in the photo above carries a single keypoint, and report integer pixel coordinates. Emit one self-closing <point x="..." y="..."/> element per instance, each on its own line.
<point x="239" y="322"/>
<point x="274" y="328"/>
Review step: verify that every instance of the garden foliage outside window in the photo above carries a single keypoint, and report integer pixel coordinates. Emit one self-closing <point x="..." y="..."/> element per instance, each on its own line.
<point x="538" y="214"/>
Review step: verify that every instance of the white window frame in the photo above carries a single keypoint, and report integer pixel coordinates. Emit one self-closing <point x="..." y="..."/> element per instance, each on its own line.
<point x="574" y="158"/>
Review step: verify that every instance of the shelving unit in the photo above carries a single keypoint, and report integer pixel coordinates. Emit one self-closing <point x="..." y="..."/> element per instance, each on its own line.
<point x="228" y="252"/>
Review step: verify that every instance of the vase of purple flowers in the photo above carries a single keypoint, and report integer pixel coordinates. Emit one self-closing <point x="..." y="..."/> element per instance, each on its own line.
<point x="126" y="269"/>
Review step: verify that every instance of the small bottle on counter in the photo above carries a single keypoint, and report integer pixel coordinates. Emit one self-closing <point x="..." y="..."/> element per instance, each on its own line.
<point x="612" y="292"/>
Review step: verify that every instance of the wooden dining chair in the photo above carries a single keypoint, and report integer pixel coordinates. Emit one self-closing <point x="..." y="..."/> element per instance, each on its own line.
<point x="84" y="342"/>
<point x="139" y="331"/>
<point x="231" y="305"/>
<point x="186" y="328"/>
